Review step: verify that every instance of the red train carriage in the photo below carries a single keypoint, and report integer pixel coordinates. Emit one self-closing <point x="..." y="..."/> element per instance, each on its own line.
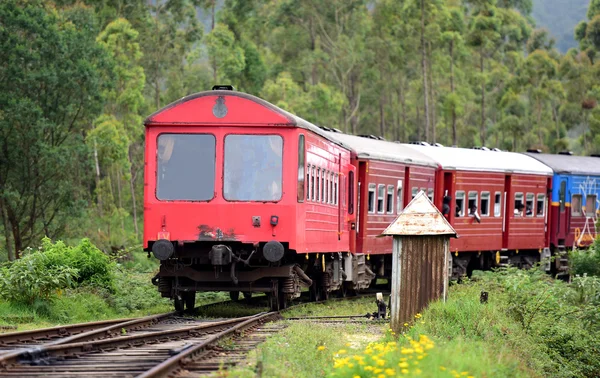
<point x="499" y="205"/>
<point x="227" y="206"/>
<point x="389" y="176"/>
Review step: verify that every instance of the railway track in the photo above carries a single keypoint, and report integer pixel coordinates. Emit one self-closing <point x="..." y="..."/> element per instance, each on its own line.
<point x="157" y="346"/>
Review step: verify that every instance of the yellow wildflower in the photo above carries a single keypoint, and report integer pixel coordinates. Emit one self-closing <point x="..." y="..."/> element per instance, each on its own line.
<point x="403" y="365"/>
<point x="390" y="372"/>
<point x="381" y="376"/>
<point x="418" y="371"/>
<point x="407" y="351"/>
<point x="321" y="347"/>
<point x="356" y="376"/>
<point x="442" y="368"/>
<point x="418" y="316"/>
<point x="406" y="324"/>
<point x="404" y="371"/>
<point x="342" y="351"/>
<point x="369" y="368"/>
<point x="377" y="371"/>
<point x="381" y="362"/>
<point x="464" y="373"/>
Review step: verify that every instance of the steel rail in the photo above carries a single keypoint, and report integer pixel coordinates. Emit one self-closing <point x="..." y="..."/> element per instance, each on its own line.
<point x="44" y="351"/>
<point x="177" y="362"/>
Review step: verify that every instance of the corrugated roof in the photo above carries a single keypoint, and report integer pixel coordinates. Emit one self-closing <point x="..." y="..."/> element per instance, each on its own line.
<point x="382" y="150"/>
<point x="420" y="217"/>
<point x="454" y="158"/>
<point x="583" y="165"/>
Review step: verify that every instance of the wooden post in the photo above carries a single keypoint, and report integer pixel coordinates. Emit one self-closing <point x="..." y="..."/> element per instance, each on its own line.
<point x="395" y="295"/>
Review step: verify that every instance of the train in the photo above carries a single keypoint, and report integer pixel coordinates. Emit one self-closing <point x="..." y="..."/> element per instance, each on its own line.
<point x="243" y="197"/>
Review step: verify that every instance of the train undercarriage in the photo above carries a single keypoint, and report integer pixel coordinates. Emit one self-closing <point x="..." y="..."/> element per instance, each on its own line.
<point x="269" y="268"/>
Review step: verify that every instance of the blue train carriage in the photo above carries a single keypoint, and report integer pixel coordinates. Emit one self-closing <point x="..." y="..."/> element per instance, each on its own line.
<point x="575" y="205"/>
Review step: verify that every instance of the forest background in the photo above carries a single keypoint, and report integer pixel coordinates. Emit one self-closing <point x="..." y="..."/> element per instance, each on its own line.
<point x="77" y="78"/>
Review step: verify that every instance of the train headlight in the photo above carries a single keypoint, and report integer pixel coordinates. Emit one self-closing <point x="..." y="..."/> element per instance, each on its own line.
<point x="162" y="249"/>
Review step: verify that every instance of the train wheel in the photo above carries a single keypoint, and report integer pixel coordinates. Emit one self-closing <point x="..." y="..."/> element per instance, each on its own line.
<point x="234" y="295"/>
<point x="247" y="295"/>
<point x="189" y="298"/>
<point x="324" y="294"/>
<point x="178" y="302"/>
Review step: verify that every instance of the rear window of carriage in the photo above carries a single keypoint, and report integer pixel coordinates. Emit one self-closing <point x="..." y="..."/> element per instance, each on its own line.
<point x="185" y="167"/>
<point x="253" y="167"/>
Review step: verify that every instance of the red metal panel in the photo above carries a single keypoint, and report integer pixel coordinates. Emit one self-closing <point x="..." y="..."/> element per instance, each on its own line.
<point x="526" y="232"/>
<point x="200" y="111"/>
<point x="475" y="236"/>
<point x="373" y="224"/>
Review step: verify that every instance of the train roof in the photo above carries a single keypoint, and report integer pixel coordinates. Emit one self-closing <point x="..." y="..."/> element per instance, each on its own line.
<point x="369" y="148"/>
<point x="194" y="109"/>
<point x="582" y="165"/>
<point x="466" y="159"/>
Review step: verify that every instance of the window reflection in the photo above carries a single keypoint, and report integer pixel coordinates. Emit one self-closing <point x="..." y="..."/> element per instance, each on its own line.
<point x="253" y="167"/>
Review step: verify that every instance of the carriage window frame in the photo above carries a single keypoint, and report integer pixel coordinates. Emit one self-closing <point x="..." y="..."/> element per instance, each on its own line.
<point x="372" y="192"/>
<point x="529" y="201"/>
<point x="326" y="188"/>
<point x="430" y="194"/>
<point x="576" y="205"/>
<point x="313" y="173"/>
<point x="475" y="194"/>
<point x="301" y="168"/>
<point x="484" y="210"/>
<point x="350" y="192"/>
<point x="399" y="197"/>
<point x="389" y="203"/>
<point x="590" y="199"/>
<point x="381" y="198"/>
<point x="519" y="197"/>
<point x="414" y="192"/>
<point x="460" y="202"/>
<point x="337" y="188"/>
<point x="540" y="198"/>
<point x="497" y="204"/>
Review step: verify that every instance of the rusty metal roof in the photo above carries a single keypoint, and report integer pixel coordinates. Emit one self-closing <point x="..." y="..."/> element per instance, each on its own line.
<point x="420" y="217"/>
<point x="583" y="165"/>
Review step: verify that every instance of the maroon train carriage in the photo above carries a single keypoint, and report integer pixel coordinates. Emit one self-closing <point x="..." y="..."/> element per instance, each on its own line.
<point x="226" y="206"/>
<point x="499" y="206"/>
<point x="389" y="176"/>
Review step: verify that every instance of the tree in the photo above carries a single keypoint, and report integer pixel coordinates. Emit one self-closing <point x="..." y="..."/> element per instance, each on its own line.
<point x="45" y="110"/>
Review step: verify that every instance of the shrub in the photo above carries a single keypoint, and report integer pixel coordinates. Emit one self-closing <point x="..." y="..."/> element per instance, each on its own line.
<point x="94" y="267"/>
<point x="586" y="261"/>
<point x="32" y="278"/>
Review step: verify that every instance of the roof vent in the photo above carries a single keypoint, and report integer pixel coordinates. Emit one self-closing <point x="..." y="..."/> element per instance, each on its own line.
<point x="372" y="137"/>
<point x="333" y="129"/>
<point x="438" y="145"/>
<point x="595" y="155"/>
<point x="421" y="143"/>
<point x="496" y="149"/>
<point x="535" y="150"/>
<point x="484" y="148"/>
<point x="326" y="128"/>
<point x="566" y="153"/>
<point x="223" y="88"/>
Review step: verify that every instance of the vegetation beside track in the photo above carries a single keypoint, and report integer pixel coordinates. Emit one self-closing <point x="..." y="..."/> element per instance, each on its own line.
<point x="60" y="284"/>
<point x="531" y="326"/>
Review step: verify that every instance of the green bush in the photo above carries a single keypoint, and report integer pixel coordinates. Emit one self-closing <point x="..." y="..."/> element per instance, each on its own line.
<point x="32" y="278"/>
<point x="94" y="267"/>
<point x="586" y="261"/>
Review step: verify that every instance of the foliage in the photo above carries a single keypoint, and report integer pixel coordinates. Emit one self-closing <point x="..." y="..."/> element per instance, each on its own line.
<point x="584" y="261"/>
<point x="93" y="266"/>
<point x="33" y="278"/>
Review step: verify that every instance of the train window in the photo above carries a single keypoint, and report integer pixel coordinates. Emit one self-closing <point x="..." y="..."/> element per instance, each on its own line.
<point x="590" y="205"/>
<point x="576" y="204"/>
<point x="372" y="198"/>
<point x="312" y="182"/>
<point x="380" y="198"/>
<point x="323" y="185"/>
<point x="473" y="202"/>
<point x="414" y="192"/>
<point x="390" y="200"/>
<point x="318" y="187"/>
<point x="529" y="204"/>
<point x="562" y="194"/>
<point x="460" y="203"/>
<point x="430" y="194"/>
<point x="331" y="192"/>
<point x="497" y="204"/>
<point x="336" y="191"/>
<point x="519" y="206"/>
<point x="253" y="167"/>
<point x="185" y="167"/>
<point x="326" y="187"/>
<point x="399" y="198"/>
<point x="351" y="193"/>
<point x="485" y="204"/>
<point x="540" y="205"/>
<point x="308" y="182"/>
<point x="301" y="164"/>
